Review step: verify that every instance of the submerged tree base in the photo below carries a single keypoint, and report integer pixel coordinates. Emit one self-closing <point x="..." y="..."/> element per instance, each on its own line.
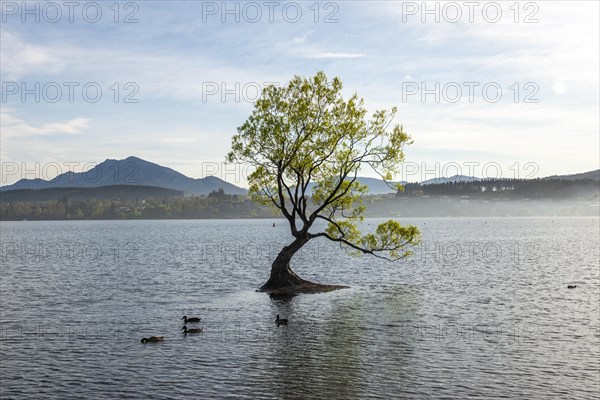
<point x="308" y="287"/>
<point x="285" y="282"/>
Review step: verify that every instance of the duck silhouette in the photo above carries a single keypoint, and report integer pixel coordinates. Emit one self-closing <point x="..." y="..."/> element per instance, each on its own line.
<point x="153" y="339"/>
<point x="190" y="330"/>
<point x="191" y="319"/>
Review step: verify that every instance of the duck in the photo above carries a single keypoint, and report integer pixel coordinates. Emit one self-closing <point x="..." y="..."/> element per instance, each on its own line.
<point x="192" y="319"/>
<point x="153" y="339"/>
<point x="571" y="286"/>
<point x="191" y="330"/>
<point x="280" y="321"/>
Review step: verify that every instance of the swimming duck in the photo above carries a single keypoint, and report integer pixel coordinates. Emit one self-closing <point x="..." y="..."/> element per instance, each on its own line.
<point x="571" y="286"/>
<point x="153" y="339"/>
<point x="191" y="330"/>
<point x="192" y="319"/>
<point x="280" y="321"/>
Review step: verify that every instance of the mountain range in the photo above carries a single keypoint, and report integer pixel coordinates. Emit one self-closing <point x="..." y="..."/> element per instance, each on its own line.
<point x="135" y="171"/>
<point x="130" y="171"/>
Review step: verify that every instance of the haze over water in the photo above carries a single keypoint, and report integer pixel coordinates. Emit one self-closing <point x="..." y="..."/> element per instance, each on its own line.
<point x="482" y="309"/>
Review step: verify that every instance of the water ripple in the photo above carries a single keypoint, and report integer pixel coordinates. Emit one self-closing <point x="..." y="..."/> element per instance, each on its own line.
<point x="481" y="310"/>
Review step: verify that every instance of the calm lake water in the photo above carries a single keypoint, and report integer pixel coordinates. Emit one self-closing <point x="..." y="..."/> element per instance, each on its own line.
<point x="481" y="310"/>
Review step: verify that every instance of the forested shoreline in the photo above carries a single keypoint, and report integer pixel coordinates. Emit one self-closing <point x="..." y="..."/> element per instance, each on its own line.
<point x="478" y="198"/>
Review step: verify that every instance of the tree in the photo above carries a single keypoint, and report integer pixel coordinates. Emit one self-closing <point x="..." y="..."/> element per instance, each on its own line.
<point x="306" y="145"/>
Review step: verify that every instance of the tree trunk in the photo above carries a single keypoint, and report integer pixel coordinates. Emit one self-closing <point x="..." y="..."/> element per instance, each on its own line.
<point x="282" y="276"/>
<point x="284" y="281"/>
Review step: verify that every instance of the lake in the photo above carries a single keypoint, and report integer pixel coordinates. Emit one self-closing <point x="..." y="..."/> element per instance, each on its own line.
<point x="481" y="309"/>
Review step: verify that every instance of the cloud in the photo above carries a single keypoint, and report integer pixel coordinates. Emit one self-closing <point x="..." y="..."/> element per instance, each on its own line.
<point x="302" y="39"/>
<point x="562" y="44"/>
<point x="19" y="58"/>
<point x="13" y="126"/>
<point x="167" y="75"/>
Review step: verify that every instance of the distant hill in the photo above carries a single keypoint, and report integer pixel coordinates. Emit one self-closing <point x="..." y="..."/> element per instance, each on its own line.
<point x="130" y="171"/>
<point x="454" y="178"/>
<point x="376" y="186"/>
<point x="113" y="192"/>
<point x="593" y="175"/>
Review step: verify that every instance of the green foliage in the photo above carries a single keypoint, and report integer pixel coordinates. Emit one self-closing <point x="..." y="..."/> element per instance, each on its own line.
<point x="394" y="237"/>
<point x="307" y="145"/>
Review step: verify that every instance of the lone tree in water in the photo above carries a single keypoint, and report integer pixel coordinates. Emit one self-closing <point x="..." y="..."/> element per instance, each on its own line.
<point x="307" y="145"/>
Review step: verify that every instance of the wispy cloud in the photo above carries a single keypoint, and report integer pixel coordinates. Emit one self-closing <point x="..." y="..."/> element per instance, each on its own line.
<point x="13" y="126"/>
<point x="302" y="39"/>
<point x="19" y="58"/>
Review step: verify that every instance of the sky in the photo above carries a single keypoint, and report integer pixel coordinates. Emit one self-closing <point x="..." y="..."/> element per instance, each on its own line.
<point x="486" y="89"/>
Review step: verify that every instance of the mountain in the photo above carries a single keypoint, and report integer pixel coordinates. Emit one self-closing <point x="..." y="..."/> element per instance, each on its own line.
<point x="454" y="178"/>
<point x="130" y="171"/>
<point x="376" y="186"/>
<point x="593" y="175"/>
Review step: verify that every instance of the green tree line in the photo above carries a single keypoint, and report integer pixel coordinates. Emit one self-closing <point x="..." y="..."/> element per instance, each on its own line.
<point x="215" y="205"/>
<point x="511" y="188"/>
